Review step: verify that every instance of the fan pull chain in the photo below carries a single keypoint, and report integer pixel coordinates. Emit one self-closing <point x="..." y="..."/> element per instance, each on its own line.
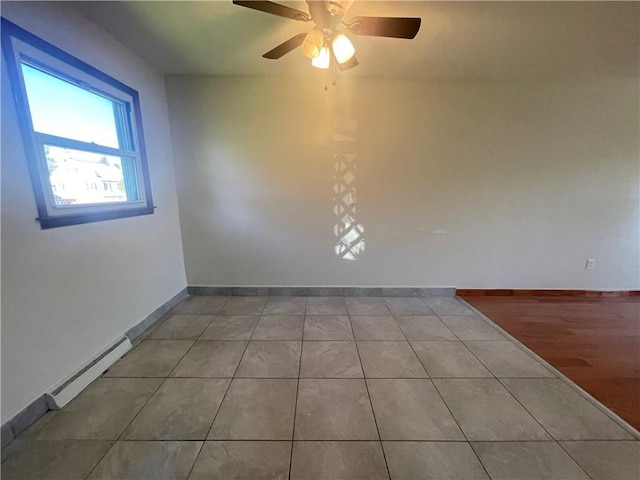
<point x="334" y="71"/>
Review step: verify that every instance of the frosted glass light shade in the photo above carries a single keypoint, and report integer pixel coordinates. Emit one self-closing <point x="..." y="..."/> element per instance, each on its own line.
<point x="343" y="49"/>
<point x="313" y="43"/>
<point x="323" y="60"/>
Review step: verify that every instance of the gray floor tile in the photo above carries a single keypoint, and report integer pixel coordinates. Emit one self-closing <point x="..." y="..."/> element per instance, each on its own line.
<point x="151" y="328"/>
<point x="256" y="409"/>
<point x="367" y="306"/>
<point x="330" y="360"/>
<point x="243" y="460"/>
<point x="411" y="410"/>
<point x="245" y="306"/>
<point x="506" y="359"/>
<point x="102" y="411"/>
<point x="15" y="446"/>
<point x="449" y="359"/>
<point x="334" y="410"/>
<point x="425" y="328"/>
<point x="270" y="359"/>
<point x="527" y="461"/>
<point x="390" y="360"/>
<point x="326" y="306"/>
<point x="447" y="306"/>
<point x="619" y="460"/>
<point x="279" y="327"/>
<point x="148" y="461"/>
<point x="60" y="459"/>
<point x="152" y="358"/>
<point x="407" y="306"/>
<point x="285" y="306"/>
<point x="211" y="358"/>
<point x="433" y="461"/>
<point x="565" y="413"/>
<point x="182" y="327"/>
<point x="202" y="305"/>
<point x="487" y="412"/>
<point x="327" y="327"/>
<point x="376" y="328"/>
<point x="338" y="461"/>
<point x="231" y="327"/>
<point x="471" y="327"/>
<point x="182" y="409"/>
<point x="19" y="442"/>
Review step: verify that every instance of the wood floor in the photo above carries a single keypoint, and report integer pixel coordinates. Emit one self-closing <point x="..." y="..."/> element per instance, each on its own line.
<point x="594" y="341"/>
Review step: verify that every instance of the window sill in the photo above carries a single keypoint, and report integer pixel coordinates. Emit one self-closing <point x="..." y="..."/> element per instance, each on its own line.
<point x="77" y="219"/>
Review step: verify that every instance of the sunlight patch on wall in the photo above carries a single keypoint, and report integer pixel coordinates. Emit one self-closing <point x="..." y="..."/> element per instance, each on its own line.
<point x="348" y="232"/>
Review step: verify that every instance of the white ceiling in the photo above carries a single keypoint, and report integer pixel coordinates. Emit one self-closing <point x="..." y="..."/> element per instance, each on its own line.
<point x="468" y="40"/>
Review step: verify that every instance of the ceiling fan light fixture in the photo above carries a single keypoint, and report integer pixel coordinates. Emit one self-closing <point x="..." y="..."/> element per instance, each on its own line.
<point x="313" y="43"/>
<point x="343" y="49"/>
<point x="323" y="60"/>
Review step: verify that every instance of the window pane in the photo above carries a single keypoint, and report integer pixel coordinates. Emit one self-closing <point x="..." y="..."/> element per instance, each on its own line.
<point x="80" y="178"/>
<point x="66" y="110"/>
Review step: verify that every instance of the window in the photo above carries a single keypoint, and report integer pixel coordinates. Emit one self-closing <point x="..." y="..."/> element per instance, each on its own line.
<point x="82" y="132"/>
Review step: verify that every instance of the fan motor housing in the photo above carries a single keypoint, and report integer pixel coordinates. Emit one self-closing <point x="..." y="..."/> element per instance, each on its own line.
<point x="321" y="14"/>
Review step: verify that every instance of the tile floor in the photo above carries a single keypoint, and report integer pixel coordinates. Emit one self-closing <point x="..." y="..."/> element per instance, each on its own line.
<point x="325" y="387"/>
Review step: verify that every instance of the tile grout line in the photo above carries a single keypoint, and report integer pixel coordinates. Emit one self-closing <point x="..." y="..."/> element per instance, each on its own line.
<point x="193" y="465"/>
<point x="553" y="439"/>
<point x="342" y="440"/>
<point x="542" y="426"/>
<point x="441" y="397"/>
<point x="342" y="378"/>
<point x="595" y="402"/>
<point x="295" y="406"/>
<point x="511" y="394"/>
<point x="128" y="424"/>
<point x="575" y="460"/>
<point x="559" y="375"/>
<point x="463" y="342"/>
<point x="366" y="385"/>
<point x="232" y="377"/>
<point x="204" y="441"/>
<point x="102" y="457"/>
<point x="119" y="439"/>
<point x="169" y="315"/>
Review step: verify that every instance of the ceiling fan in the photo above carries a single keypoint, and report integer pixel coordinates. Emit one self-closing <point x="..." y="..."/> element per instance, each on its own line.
<point x="325" y="42"/>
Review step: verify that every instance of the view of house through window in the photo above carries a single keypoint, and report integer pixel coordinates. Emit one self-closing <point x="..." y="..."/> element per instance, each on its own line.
<point x="68" y="114"/>
<point x="79" y="177"/>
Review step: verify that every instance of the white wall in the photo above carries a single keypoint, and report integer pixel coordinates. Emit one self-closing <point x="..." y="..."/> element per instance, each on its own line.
<point x="527" y="179"/>
<point x="69" y="292"/>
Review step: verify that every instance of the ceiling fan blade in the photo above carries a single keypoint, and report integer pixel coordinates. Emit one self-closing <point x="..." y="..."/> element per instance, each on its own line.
<point x="275" y="9"/>
<point x="285" y="47"/>
<point x="394" y="27"/>
<point x="352" y="62"/>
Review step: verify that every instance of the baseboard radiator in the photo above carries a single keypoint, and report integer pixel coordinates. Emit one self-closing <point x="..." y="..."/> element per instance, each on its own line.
<point x="67" y="390"/>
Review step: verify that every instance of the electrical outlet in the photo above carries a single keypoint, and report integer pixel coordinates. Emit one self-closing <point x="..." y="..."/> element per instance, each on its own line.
<point x="591" y="262"/>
